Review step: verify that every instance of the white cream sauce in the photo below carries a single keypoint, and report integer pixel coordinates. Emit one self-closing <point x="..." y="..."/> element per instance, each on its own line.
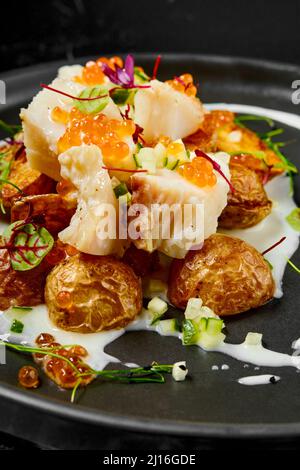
<point x="37" y="321"/>
<point x="259" y="379"/>
<point x="261" y="236"/>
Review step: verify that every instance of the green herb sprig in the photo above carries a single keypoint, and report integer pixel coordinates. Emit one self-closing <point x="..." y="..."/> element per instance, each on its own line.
<point x="148" y="374"/>
<point x="267" y="137"/>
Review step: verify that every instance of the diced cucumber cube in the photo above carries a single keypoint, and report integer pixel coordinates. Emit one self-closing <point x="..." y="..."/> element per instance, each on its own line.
<point x="190" y="332"/>
<point x="207" y="341"/>
<point x="158" y="305"/>
<point x="214" y="326"/>
<point x="193" y="308"/>
<point x="120" y="190"/>
<point x="168" y="327"/>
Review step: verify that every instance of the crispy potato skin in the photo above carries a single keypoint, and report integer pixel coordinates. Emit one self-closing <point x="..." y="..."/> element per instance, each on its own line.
<point x="30" y="181"/>
<point x="21" y="287"/>
<point x="52" y="211"/>
<point x="105" y="293"/>
<point x="229" y="275"/>
<point x="249" y="203"/>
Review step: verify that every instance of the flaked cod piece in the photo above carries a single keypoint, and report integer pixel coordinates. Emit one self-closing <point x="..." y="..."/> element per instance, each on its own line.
<point x="41" y="133"/>
<point x="96" y="202"/>
<point x="168" y="187"/>
<point x="162" y="111"/>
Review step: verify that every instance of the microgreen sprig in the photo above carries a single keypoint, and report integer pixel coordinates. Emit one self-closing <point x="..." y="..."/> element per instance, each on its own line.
<point x="267" y="137"/>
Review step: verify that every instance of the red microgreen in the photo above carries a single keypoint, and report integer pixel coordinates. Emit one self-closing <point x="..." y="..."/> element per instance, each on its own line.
<point x="93" y="98"/>
<point x="27" y="244"/>
<point x="216" y="167"/>
<point x="137" y="135"/>
<point x="273" y="246"/>
<point x="155" y="68"/>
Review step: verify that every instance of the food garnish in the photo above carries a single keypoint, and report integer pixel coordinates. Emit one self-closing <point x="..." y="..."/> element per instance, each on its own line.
<point x="28" y="377"/>
<point x="67" y="363"/>
<point x="155" y="68"/>
<point x="17" y="326"/>
<point x="215" y="165"/>
<point x="294" y="219"/>
<point x="267" y="137"/>
<point x="27" y="244"/>
<point x="273" y="246"/>
<point x="123" y="77"/>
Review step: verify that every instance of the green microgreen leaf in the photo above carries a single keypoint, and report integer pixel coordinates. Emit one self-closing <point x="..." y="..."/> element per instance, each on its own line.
<point x="122" y="96"/>
<point x="94" y="106"/>
<point x="294" y="219"/>
<point x="20" y="308"/>
<point x="140" y="76"/>
<point x="27" y="244"/>
<point x="17" y="326"/>
<point x="293" y="266"/>
<point x="250" y="117"/>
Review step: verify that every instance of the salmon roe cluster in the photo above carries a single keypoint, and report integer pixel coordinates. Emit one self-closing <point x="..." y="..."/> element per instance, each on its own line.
<point x="57" y="368"/>
<point x="184" y="84"/>
<point x="92" y="72"/>
<point x="107" y="134"/>
<point x="199" y="172"/>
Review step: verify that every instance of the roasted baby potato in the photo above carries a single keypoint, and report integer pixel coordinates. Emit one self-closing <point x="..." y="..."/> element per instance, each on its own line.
<point x="51" y="210"/>
<point x="21" y="287"/>
<point x="249" y="203"/>
<point x="28" y="180"/>
<point x="229" y="275"/>
<point x="87" y="293"/>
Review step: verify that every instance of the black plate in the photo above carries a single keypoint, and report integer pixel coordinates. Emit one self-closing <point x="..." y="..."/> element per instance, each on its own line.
<point x="209" y="403"/>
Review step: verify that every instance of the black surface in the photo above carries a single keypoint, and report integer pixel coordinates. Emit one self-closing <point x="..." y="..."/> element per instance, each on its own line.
<point x="40" y="31"/>
<point x="209" y="404"/>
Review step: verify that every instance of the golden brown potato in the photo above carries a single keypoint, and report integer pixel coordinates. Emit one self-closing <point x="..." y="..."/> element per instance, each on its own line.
<point x="229" y="275"/>
<point x="249" y="203"/>
<point x="30" y="181"/>
<point x="51" y="210"/>
<point x="88" y="293"/>
<point x="21" y="287"/>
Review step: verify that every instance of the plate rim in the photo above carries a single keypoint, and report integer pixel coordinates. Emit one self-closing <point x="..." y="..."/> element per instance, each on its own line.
<point x="78" y="413"/>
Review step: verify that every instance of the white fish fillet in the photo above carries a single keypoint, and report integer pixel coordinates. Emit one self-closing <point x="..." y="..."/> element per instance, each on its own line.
<point x="83" y="167"/>
<point x="163" y="111"/>
<point x="169" y="187"/>
<point x="41" y="133"/>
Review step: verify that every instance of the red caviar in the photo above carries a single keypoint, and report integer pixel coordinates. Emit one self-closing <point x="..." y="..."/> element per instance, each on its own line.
<point x="184" y="84"/>
<point x="28" y="377"/>
<point x="64" y="299"/>
<point x="199" y="172"/>
<point x="107" y="134"/>
<point x="92" y="72"/>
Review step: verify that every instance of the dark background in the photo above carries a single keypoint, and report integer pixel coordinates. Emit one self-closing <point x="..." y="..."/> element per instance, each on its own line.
<point x="39" y="31"/>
